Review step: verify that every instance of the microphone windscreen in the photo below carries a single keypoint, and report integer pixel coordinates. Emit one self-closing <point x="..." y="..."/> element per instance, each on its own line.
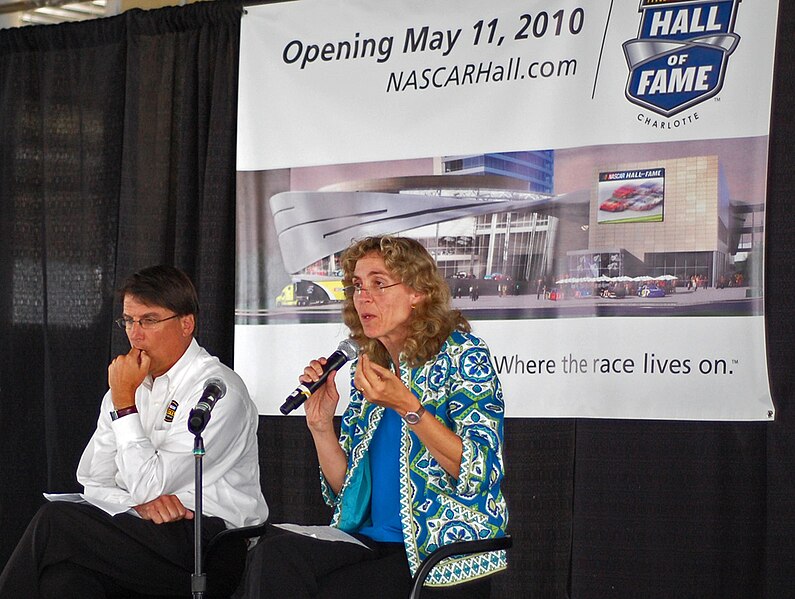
<point x="349" y="348"/>
<point x="215" y="387"/>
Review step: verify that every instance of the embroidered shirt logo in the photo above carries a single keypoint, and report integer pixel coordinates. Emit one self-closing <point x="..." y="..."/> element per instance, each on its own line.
<point x="172" y="409"/>
<point x="680" y="55"/>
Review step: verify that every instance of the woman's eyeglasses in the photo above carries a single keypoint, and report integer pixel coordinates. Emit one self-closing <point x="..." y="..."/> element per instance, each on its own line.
<point x="374" y="290"/>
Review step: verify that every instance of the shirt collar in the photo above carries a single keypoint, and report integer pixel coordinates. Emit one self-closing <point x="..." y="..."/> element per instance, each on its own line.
<point x="180" y="366"/>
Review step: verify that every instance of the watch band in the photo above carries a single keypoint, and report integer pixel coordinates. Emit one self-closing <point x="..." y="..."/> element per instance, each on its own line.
<point x="116" y="414"/>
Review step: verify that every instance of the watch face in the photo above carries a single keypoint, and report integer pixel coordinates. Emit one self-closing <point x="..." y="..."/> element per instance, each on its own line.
<point x="412" y="417"/>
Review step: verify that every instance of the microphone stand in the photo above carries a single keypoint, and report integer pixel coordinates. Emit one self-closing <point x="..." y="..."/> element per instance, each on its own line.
<point x="198" y="580"/>
<point x="214" y="389"/>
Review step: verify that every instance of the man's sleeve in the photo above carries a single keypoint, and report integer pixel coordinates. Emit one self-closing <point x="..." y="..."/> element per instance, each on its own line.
<point x="97" y="468"/>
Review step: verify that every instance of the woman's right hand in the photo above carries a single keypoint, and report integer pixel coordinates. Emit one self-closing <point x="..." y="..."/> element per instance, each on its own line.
<point x="320" y="408"/>
<point x="322" y="404"/>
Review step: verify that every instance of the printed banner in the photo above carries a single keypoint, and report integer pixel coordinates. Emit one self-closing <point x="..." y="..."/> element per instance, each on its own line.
<point x="590" y="178"/>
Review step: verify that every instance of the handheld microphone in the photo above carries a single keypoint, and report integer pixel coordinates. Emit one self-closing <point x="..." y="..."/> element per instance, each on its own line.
<point x="348" y="349"/>
<point x="214" y="389"/>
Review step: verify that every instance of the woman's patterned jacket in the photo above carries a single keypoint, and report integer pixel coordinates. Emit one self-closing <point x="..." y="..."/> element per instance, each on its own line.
<point x="461" y="389"/>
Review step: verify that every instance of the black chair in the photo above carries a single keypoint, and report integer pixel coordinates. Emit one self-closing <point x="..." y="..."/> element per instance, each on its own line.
<point x="223" y="562"/>
<point x="460" y="548"/>
<point x="224" y="559"/>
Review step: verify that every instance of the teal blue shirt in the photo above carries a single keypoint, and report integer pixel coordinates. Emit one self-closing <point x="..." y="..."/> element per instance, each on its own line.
<point x="385" y="472"/>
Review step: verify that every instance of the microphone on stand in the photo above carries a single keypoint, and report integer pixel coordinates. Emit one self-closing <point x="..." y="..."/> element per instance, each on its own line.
<point x="348" y="349"/>
<point x="214" y="389"/>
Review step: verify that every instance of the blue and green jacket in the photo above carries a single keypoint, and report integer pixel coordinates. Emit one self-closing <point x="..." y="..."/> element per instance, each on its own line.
<point x="459" y="388"/>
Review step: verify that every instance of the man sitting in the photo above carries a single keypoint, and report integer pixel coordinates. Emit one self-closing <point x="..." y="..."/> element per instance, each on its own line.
<point x="139" y="463"/>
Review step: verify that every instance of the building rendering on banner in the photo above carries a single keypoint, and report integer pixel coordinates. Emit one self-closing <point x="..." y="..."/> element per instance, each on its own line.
<point x="494" y="216"/>
<point x="697" y="231"/>
<point x="481" y="216"/>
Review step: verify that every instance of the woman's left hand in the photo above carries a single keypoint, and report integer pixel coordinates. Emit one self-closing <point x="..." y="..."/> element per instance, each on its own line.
<point x="383" y="387"/>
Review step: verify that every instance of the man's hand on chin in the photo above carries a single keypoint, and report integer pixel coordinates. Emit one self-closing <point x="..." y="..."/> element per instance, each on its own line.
<point x="125" y="373"/>
<point x="166" y="508"/>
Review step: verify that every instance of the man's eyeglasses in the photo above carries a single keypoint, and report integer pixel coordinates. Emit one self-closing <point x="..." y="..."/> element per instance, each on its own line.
<point x="144" y="323"/>
<point x="374" y="290"/>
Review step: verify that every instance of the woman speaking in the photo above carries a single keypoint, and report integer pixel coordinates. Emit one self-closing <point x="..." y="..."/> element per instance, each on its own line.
<point x="418" y="461"/>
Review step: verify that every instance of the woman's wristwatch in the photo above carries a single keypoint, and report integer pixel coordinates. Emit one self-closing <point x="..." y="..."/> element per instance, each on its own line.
<point x="414" y="417"/>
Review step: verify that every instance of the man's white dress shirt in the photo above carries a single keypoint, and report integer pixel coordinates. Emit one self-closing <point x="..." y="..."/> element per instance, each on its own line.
<point x="142" y="456"/>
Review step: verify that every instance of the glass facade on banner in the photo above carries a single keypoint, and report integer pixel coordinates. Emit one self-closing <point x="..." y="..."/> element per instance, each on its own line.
<point x="535" y="168"/>
<point x="683" y="265"/>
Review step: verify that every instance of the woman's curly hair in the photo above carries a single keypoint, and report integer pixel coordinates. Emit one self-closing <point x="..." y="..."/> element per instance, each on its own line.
<point x="432" y="319"/>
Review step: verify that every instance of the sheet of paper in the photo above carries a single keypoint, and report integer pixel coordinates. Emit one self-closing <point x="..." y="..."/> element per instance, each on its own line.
<point x="105" y="506"/>
<point x="324" y="533"/>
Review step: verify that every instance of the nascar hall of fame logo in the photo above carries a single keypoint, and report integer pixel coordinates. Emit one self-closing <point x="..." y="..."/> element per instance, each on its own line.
<point x="679" y="57"/>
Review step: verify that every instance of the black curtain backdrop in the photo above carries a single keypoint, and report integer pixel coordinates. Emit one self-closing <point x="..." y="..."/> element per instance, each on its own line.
<point x="116" y="151"/>
<point x="117" y="141"/>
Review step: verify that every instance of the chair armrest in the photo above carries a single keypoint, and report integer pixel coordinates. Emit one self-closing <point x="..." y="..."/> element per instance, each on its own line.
<point x="460" y="548"/>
